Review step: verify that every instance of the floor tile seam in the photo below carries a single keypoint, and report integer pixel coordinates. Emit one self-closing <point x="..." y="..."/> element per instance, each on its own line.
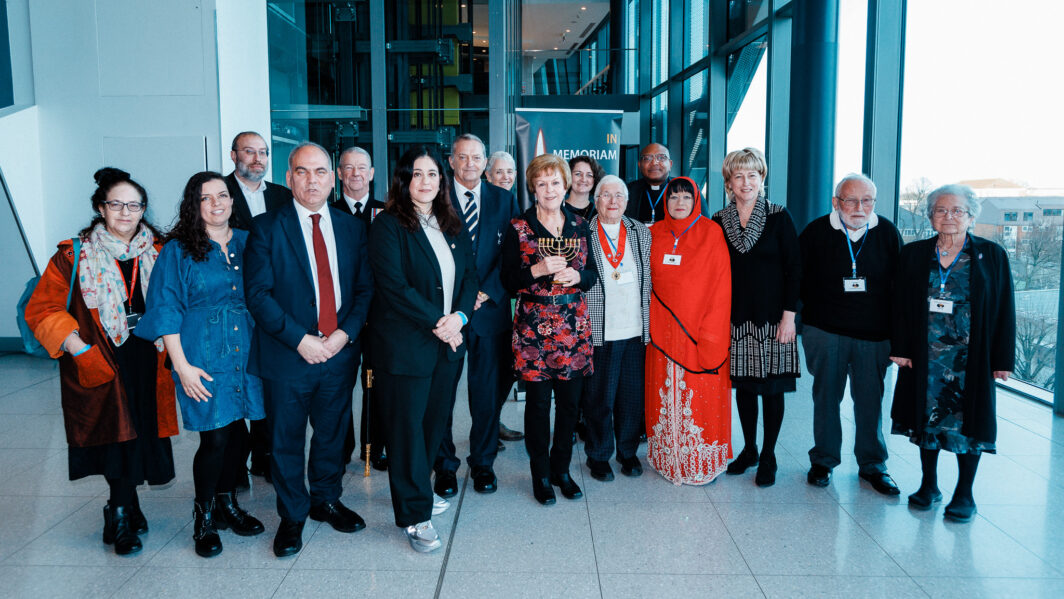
<point x="918" y="578"/>
<point x="731" y="537"/>
<point x="876" y="541"/>
<point x="48" y="529"/>
<point x="1059" y="485"/>
<point x="131" y="576"/>
<point x="1035" y="433"/>
<point x="594" y="549"/>
<point x="450" y="537"/>
<point x="33" y="384"/>
<point x="1021" y="544"/>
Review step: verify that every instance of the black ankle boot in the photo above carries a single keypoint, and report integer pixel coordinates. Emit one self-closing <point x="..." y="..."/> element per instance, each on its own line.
<point x="137" y="521"/>
<point x="229" y="514"/>
<point x="117" y="529"/>
<point x="747" y="458"/>
<point x="203" y="533"/>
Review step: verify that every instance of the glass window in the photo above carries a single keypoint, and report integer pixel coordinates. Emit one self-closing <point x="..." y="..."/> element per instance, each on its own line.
<point x="694" y="130"/>
<point x="659" y="119"/>
<point x="1052" y="212"/>
<point x="696" y="42"/>
<point x="660" y="40"/>
<point x="7" y="85"/>
<point x="1010" y="217"/>
<point x="850" y="88"/>
<point x="742" y="14"/>
<point x="631" y="20"/>
<point x="747" y="97"/>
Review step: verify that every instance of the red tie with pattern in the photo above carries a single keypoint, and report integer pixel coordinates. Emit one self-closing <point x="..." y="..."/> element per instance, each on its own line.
<point x="326" y="295"/>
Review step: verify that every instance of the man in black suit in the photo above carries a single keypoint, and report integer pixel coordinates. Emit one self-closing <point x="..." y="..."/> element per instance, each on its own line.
<point x="251" y="197"/>
<point x="645" y="201"/>
<point x="309" y="290"/>
<point x="251" y="194"/>
<point x="356" y="173"/>
<point x="486" y="211"/>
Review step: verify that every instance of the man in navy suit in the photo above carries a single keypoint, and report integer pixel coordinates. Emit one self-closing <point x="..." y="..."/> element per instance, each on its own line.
<point x="309" y="290"/>
<point x="356" y="173"/>
<point x="487" y="211"/>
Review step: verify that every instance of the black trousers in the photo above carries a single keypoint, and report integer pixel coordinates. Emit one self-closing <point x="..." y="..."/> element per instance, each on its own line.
<point x="613" y="403"/>
<point x="324" y="400"/>
<point x="488" y="380"/>
<point x="546" y="459"/>
<point x="416" y="411"/>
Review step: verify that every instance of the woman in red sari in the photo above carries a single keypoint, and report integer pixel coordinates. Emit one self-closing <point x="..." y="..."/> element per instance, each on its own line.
<point x="688" y="392"/>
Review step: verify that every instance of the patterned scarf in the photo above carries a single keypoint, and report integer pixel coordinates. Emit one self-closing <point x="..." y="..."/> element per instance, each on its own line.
<point x="743" y="239"/>
<point x="102" y="286"/>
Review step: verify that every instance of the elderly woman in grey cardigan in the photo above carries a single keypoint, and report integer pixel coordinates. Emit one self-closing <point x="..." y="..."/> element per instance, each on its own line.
<point x="619" y="305"/>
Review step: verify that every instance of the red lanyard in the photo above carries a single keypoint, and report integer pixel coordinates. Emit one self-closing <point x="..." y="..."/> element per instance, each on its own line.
<point x="615" y="253"/>
<point x="133" y="284"/>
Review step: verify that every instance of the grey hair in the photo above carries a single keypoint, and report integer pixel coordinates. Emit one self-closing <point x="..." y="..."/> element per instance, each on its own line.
<point x="356" y="150"/>
<point x="495" y="156"/>
<point x="856" y="177"/>
<point x="606" y="179"/>
<point x="309" y="144"/>
<point x="964" y="192"/>
<point x="468" y="137"/>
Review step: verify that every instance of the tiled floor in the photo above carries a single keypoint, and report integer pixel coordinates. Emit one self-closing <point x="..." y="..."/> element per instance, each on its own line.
<point x="627" y="538"/>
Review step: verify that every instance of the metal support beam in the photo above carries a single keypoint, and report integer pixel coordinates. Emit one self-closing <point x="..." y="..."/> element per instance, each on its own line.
<point x="777" y="121"/>
<point x="884" y="76"/>
<point x="378" y="99"/>
<point x="716" y="104"/>
<point x="497" y="80"/>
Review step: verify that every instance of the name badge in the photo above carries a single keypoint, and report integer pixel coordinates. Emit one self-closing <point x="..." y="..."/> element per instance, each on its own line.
<point x="853" y="285"/>
<point x="941" y="306"/>
<point x="132" y="319"/>
<point x="672" y="259"/>
<point x="625" y="278"/>
<point x="649" y="224"/>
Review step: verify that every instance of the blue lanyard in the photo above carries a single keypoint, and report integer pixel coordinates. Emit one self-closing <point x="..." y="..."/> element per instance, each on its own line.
<point x="943" y="275"/>
<point x="613" y="246"/>
<point x="849" y="246"/>
<point x="676" y="238"/>
<point x="653" y="204"/>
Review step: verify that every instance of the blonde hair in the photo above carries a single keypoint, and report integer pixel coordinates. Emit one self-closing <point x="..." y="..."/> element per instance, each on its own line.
<point x="746" y="159"/>
<point x="545" y="164"/>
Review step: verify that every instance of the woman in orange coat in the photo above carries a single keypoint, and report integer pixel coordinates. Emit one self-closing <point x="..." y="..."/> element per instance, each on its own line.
<point x="117" y="396"/>
<point x="688" y="392"/>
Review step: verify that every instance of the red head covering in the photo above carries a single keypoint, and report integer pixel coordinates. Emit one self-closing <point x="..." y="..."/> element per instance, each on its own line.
<point x="678" y="226"/>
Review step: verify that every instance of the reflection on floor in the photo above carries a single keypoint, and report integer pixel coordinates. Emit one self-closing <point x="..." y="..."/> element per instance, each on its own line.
<point x="627" y="538"/>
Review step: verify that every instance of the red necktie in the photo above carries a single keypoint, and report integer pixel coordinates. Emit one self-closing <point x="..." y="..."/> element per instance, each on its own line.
<point x="326" y="295"/>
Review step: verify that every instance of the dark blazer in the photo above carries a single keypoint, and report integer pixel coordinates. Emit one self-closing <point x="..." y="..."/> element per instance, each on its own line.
<point x="991" y="342"/>
<point x="497" y="208"/>
<point x="639" y="202"/>
<point x="367" y="210"/>
<point x="276" y="196"/>
<point x="279" y="287"/>
<point x="408" y="299"/>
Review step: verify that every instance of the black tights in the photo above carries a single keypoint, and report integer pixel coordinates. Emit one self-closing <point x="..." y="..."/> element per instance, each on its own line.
<point x="746" y="402"/>
<point x="217" y="460"/>
<point x="967" y="464"/>
<point x="123" y="492"/>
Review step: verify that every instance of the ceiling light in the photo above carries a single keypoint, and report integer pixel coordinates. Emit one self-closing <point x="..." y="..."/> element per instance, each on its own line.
<point x="583" y="8"/>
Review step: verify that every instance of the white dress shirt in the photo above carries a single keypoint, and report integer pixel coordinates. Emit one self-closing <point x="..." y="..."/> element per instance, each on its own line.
<point x="256" y="199"/>
<point x="352" y="204"/>
<point x="307" y="226"/>
<point x="460" y="191"/>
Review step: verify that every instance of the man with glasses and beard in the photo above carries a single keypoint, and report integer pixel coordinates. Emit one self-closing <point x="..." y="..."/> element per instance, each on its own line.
<point x="251" y="194"/>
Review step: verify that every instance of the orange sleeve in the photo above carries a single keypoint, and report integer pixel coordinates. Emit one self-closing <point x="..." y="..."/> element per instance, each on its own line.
<point x="46" y="312"/>
<point x="714" y="333"/>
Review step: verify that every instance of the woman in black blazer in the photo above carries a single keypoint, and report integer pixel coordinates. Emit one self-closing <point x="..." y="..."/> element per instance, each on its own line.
<point x="425" y="285"/>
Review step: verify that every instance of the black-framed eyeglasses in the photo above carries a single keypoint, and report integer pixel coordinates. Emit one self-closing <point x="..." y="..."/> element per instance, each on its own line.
<point x="654" y="158"/>
<point x="116" y="206"/>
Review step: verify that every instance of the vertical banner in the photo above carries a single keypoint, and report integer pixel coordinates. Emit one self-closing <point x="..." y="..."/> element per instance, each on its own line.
<point x="567" y="134"/>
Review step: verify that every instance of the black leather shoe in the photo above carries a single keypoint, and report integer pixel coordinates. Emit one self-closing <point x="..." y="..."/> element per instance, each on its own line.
<point x="484" y="480"/>
<point x="600" y="470"/>
<point x="923" y="499"/>
<point x="229" y="514"/>
<point x="338" y="516"/>
<point x="508" y="434"/>
<point x="881" y="482"/>
<point x="203" y="532"/>
<point x="137" y="521"/>
<point x="500" y="447"/>
<point x="959" y="513"/>
<point x="568" y="487"/>
<point x="631" y="466"/>
<point x="118" y="530"/>
<point x="446" y="484"/>
<point x="379" y="462"/>
<point x="289" y="539"/>
<point x="746" y="459"/>
<point x="766" y="471"/>
<point x="819" y="476"/>
<point x="543" y="491"/>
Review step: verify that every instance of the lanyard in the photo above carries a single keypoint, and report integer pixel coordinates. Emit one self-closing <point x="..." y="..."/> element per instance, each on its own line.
<point x="131" y="285"/>
<point x="676" y="238"/>
<point x="653" y="203"/>
<point x="943" y="275"/>
<point x="849" y="246"/>
<point x="614" y="256"/>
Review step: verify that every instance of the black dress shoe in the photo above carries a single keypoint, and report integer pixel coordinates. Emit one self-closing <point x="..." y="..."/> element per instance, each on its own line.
<point x="543" y="491"/>
<point x="746" y="459"/>
<point x="959" y="513"/>
<point x="500" y="447"/>
<point x="881" y="482"/>
<point x="229" y="514"/>
<point x="766" y="471"/>
<point x="289" y="539"/>
<point x="446" y="484"/>
<point x="508" y="434"/>
<point x="118" y="529"/>
<point x="818" y="476"/>
<point x="923" y="499"/>
<point x="631" y="466"/>
<point x="484" y="480"/>
<point x="379" y="462"/>
<point x="600" y="470"/>
<point x="338" y="516"/>
<point x="137" y="521"/>
<point x="569" y="488"/>
<point x="204" y="534"/>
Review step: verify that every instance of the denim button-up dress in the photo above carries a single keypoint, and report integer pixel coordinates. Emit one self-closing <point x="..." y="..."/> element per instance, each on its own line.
<point x="204" y="303"/>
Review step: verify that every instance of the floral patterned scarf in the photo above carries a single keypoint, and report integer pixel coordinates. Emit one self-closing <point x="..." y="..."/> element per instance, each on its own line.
<point x="100" y="279"/>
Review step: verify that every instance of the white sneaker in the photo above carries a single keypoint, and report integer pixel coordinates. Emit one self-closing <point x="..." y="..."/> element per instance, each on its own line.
<point x="423" y="537"/>
<point x="439" y="505"/>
